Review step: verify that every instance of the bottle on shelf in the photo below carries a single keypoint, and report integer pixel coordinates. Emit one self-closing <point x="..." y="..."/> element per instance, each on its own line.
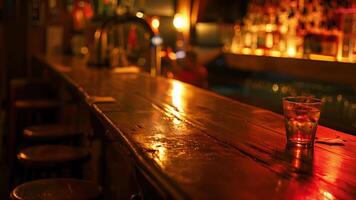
<point x="295" y="28"/>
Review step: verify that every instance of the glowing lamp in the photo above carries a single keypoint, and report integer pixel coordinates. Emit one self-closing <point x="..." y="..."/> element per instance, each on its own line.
<point x="179" y="22"/>
<point x="275" y="87"/>
<point x="291" y="47"/>
<point x="259" y="52"/>
<point x="180" y="54"/>
<point x="246" y="50"/>
<point x="155" y="23"/>
<point x="140" y="15"/>
<point x="157" y="40"/>
<point x="291" y="51"/>
<point x="172" y="56"/>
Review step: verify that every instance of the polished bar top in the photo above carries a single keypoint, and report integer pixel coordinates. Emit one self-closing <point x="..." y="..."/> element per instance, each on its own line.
<point x="199" y="145"/>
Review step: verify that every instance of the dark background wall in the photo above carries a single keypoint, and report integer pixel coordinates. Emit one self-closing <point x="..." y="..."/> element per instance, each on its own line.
<point x="23" y="35"/>
<point x="13" y="42"/>
<point x="15" y="37"/>
<point x="227" y="11"/>
<point x="2" y="70"/>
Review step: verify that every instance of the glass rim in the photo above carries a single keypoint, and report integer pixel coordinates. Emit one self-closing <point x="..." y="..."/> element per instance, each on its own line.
<point x="314" y="99"/>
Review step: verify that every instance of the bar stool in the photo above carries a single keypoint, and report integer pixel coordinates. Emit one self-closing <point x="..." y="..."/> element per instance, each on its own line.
<point x="50" y="133"/>
<point x="29" y="102"/>
<point x="53" y="189"/>
<point x="33" y="96"/>
<point x="52" y="160"/>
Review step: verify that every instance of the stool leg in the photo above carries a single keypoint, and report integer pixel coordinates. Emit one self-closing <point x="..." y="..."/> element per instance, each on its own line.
<point x="11" y="138"/>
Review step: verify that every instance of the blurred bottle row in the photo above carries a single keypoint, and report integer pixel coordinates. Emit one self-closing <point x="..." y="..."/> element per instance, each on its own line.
<point x="315" y="29"/>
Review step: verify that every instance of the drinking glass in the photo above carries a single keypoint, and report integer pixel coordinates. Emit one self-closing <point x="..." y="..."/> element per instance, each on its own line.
<point x="301" y="115"/>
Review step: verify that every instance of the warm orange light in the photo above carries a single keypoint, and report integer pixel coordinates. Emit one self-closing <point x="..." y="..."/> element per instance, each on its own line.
<point x="275" y="87"/>
<point x="139" y="14"/>
<point x="291" y="47"/>
<point x="234" y="48"/>
<point x="179" y="43"/>
<point x="283" y="29"/>
<point x="269" y="27"/>
<point x="159" y="149"/>
<point x="23" y="156"/>
<point x="177" y="95"/>
<point x="291" y="51"/>
<point x="170" y="75"/>
<point x="321" y="57"/>
<point x="180" y="22"/>
<point x="178" y="102"/>
<point x="172" y="56"/>
<point x="177" y="121"/>
<point x="269" y="40"/>
<point x="327" y="195"/>
<point x="259" y="52"/>
<point x="275" y="53"/>
<point x="333" y="166"/>
<point x="248" y="39"/>
<point x="246" y="51"/>
<point x="155" y="23"/>
<point x="284" y="89"/>
<point x="339" y="98"/>
<point x="84" y="50"/>
<point x="163" y="54"/>
<point x="97" y="34"/>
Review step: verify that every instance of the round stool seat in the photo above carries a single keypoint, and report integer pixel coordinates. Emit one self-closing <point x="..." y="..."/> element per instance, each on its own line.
<point x="36" y="104"/>
<point x="49" y="155"/>
<point x="51" y="132"/>
<point x="55" y="189"/>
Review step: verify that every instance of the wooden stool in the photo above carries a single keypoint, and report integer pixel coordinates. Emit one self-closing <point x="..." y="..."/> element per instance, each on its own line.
<point x="30" y="96"/>
<point x="53" y="189"/>
<point x="52" y="160"/>
<point x="50" y="133"/>
<point x="35" y="104"/>
<point x="29" y="102"/>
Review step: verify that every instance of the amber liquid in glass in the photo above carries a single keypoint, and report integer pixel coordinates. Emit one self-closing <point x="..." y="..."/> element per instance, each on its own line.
<point x="301" y="124"/>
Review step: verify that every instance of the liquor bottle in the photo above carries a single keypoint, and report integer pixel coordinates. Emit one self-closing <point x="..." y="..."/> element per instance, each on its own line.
<point x="247" y="33"/>
<point x="236" y="43"/>
<point x="292" y="34"/>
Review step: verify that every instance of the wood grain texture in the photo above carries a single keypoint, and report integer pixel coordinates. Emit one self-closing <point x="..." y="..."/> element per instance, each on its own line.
<point x="199" y="145"/>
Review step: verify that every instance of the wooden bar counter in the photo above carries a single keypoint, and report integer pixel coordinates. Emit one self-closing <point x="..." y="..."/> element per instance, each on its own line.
<point x="194" y="144"/>
<point x="305" y="69"/>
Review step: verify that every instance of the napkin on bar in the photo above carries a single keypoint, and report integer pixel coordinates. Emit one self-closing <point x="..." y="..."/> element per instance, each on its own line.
<point x="101" y="99"/>
<point x="331" y="141"/>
